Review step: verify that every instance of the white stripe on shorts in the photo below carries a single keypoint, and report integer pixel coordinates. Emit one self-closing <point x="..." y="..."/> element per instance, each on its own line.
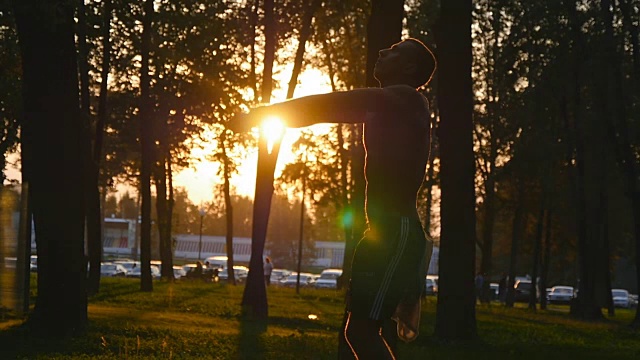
<point x="391" y="268"/>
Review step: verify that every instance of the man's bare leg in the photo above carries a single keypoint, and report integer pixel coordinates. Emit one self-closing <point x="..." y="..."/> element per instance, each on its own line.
<point x="344" y="349"/>
<point x="390" y="334"/>
<point x="364" y="338"/>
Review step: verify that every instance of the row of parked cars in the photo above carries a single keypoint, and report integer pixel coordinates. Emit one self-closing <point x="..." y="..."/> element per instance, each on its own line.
<point x="327" y="279"/>
<point x="562" y="294"/>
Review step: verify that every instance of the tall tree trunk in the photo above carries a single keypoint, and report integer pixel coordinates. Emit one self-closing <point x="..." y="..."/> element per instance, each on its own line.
<point x="345" y="210"/>
<point x="354" y="213"/>
<point x="52" y="124"/>
<point x="618" y="130"/>
<point x="228" y="208"/>
<point x="253" y="23"/>
<point x="163" y="214"/>
<point x="593" y="292"/>
<point x="517" y="231"/>
<point x="546" y="258"/>
<point x="269" y="50"/>
<point x="95" y="250"/>
<point x="537" y="249"/>
<point x="585" y="305"/>
<point x="305" y="32"/>
<point x="486" y="262"/>
<point x="146" y="140"/>
<point x="254" y="298"/>
<point x="455" y="314"/>
<point x="170" y="202"/>
<point x="92" y="203"/>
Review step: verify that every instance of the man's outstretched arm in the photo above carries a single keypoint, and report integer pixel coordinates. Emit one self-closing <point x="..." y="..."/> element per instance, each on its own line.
<point x="337" y="107"/>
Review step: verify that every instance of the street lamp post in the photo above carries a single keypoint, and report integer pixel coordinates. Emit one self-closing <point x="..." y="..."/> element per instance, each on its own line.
<point x="200" y="240"/>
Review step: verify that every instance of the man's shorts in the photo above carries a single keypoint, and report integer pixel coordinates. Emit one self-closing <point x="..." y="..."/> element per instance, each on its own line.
<point x="389" y="265"/>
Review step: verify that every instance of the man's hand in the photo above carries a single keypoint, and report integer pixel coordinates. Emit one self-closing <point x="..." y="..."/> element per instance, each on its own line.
<point x="240" y="123"/>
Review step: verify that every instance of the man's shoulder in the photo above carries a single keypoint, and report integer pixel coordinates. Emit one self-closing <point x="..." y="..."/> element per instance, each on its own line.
<point x="407" y="96"/>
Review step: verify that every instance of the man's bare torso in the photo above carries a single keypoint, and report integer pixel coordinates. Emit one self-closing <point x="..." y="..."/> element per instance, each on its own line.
<point x="397" y="144"/>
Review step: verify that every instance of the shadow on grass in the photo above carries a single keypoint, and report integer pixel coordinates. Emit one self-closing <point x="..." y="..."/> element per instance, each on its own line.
<point x="251" y="346"/>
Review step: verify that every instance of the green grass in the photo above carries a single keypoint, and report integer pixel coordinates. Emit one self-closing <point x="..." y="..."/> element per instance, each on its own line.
<point x="192" y="320"/>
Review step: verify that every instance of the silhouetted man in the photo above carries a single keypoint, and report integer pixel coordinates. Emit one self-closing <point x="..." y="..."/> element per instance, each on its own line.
<point x="390" y="262"/>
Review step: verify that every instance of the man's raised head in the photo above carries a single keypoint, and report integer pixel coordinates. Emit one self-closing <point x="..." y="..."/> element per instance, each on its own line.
<point x="424" y="60"/>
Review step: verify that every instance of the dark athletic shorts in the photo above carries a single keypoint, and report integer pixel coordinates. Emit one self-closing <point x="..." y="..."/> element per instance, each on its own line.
<point x="388" y="265"/>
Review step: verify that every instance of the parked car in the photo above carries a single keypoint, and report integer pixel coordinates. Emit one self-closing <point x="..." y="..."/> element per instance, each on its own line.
<point x="240" y="273"/>
<point x="136" y="272"/>
<point x="178" y="272"/>
<point x="219" y="261"/>
<point x="279" y="274"/>
<point x="523" y="290"/>
<point x="633" y="301"/>
<point x="33" y="266"/>
<point x="621" y="298"/>
<point x="306" y="280"/>
<point x="430" y="286"/>
<point x="328" y="279"/>
<point x="560" y="295"/>
<point x="189" y="268"/>
<point x="494" y="291"/>
<point x="128" y="264"/>
<point x="112" y="270"/>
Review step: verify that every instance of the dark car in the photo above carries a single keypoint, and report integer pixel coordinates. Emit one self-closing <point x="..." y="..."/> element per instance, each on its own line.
<point x="523" y="290"/>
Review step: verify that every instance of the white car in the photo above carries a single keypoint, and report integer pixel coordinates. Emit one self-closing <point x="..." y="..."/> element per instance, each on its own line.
<point x="240" y="273"/>
<point x="112" y="270"/>
<point x="430" y="286"/>
<point x="279" y="274"/>
<point x="328" y="279"/>
<point x="136" y="272"/>
<point x="560" y="295"/>
<point x="178" y="272"/>
<point x="306" y="280"/>
<point x="128" y="264"/>
<point x="620" y="298"/>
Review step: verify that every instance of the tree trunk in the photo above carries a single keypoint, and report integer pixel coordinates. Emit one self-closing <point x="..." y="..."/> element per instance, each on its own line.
<point x="546" y="258"/>
<point x="254" y="298"/>
<point x="354" y="213"/>
<point x="163" y="214"/>
<point x="270" y="35"/>
<point x="95" y="249"/>
<point x="428" y="189"/>
<point x="537" y="248"/>
<point x="455" y="314"/>
<point x="585" y="306"/>
<point x="146" y="140"/>
<point x="228" y="207"/>
<point x="517" y="230"/>
<point x="94" y="221"/>
<point x="253" y="23"/>
<point x="52" y="124"/>
<point x="618" y="131"/>
<point x="305" y="32"/>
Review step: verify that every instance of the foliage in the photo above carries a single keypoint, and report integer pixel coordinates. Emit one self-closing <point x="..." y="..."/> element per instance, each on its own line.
<point x="10" y="86"/>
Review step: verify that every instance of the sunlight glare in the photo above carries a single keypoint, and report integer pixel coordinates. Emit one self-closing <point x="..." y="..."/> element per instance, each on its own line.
<point x="273" y="129"/>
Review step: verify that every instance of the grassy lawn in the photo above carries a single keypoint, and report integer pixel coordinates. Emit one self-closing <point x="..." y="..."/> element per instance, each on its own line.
<point x="190" y="320"/>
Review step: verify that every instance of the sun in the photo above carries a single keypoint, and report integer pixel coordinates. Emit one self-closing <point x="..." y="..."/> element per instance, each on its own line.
<point x="273" y="129"/>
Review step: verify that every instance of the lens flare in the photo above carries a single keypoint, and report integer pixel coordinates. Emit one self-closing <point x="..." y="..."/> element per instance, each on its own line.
<point x="273" y="130"/>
